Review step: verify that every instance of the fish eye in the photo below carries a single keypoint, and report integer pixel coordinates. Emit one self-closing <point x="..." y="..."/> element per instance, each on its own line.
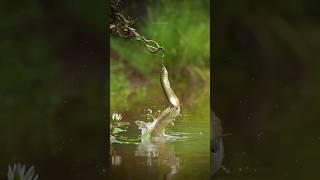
<point x="214" y="148"/>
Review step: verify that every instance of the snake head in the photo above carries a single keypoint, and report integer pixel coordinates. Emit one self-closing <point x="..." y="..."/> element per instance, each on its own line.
<point x="164" y="69"/>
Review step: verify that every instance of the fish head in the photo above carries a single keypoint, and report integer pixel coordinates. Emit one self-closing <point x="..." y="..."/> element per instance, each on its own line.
<point x="166" y="117"/>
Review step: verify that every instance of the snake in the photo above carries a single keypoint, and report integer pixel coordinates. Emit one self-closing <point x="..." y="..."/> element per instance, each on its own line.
<point x="165" y="83"/>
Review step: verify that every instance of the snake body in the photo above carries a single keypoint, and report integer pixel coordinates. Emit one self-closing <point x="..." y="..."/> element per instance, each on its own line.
<point x="170" y="95"/>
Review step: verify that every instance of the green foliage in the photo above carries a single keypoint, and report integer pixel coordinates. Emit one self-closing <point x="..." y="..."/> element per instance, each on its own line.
<point x="184" y="33"/>
<point x="185" y="36"/>
<point x="119" y="86"/>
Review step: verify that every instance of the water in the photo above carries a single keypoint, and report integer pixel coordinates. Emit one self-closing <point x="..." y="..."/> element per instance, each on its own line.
<point x="184" y="155"/>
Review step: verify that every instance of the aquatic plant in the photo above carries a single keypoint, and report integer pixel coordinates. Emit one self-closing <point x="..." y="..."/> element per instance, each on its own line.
<point x="117" y="127"/>
<point x="20" y="172"/>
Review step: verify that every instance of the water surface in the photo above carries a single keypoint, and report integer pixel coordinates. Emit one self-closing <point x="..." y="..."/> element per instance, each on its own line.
<point x="185" y="156"/>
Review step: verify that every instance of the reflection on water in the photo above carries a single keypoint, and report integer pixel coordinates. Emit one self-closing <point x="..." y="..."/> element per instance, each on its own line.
<point x="161" y="153"/>
<point x="162" y="158"/>
<point x="116" y="159"/>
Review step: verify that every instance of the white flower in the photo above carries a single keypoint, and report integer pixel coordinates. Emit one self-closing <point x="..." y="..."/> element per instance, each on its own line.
<point x="116" y="116"/>
<point x="18" y="171"/>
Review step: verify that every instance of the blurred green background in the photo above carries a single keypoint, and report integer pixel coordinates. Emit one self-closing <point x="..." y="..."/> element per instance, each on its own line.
<point x="53" y="88"/>
<point x="182" y="28"/>
<point x="266" y="79"/>
<point x="266" y="84"/>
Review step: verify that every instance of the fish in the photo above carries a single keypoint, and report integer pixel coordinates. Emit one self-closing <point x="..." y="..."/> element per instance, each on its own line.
<point x="217" y="155"/>
<point x="156" y="129"/>
<point x="216" y="144"/>
<point x="170" y="95"/>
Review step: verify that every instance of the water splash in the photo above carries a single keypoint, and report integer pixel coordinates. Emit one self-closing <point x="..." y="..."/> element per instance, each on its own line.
<point x="156" y="129"/>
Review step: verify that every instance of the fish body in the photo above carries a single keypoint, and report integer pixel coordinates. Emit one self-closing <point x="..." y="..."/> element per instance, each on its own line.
<point x="156" y="129"/>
